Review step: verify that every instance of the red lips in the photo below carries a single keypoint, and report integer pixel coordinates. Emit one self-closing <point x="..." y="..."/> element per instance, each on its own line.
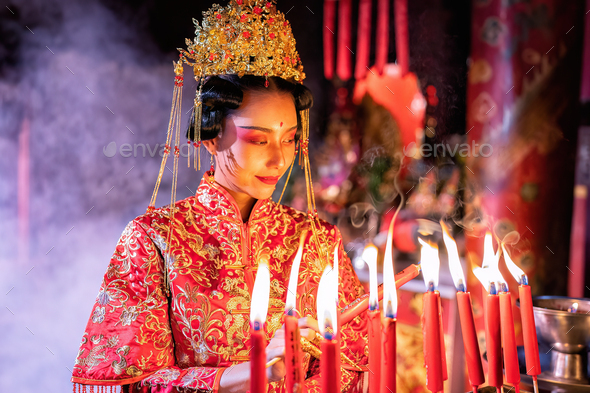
<point x="268" y="180"/>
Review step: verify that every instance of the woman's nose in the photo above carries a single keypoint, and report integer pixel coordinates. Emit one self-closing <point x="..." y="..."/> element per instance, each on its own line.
<point x="277" y="158"/>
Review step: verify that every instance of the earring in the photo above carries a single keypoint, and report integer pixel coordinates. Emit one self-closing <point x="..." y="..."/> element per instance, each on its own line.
<point x="211" y="172"/>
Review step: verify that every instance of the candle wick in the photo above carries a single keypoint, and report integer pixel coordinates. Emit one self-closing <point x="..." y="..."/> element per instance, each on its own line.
<point x="524" y="280"/>
<point x="493" y="290"/>
<point x="257" y="325"/>
<point x="461" y="286"/>
<point x="431" y="286"/>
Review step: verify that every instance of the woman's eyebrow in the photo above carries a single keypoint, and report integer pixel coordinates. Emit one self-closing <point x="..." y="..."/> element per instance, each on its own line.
<point x="264" y="129"/>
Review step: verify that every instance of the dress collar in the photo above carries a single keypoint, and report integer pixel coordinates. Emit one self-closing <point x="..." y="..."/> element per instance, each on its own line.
<point x="216" y="199"/>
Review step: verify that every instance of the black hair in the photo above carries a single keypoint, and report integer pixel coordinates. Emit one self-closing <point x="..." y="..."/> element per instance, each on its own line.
<point x="225" y="92"/>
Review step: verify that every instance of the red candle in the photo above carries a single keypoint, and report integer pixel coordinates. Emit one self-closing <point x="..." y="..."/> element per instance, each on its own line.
<point x="382" y="35"/>
<point x="401" y="35"/>
<point x="431" y="329"/>
<point x="509" y="341"/>
<point x="363" y="41"/>
<point x="293" y="356"/>
<point x="374" y="350"/>
<point x="493" y="340"/>
<point x="431" y="338"/>
<point x="330" y="364"/>
<point x="489" y="275"/>
<point x="529" y="331"/>
<point x="527" y="317"/>
<point x="326" y="299"/>
<point x="370" y="254"/>
<point x="344" y="66"/>
<point x="472" y="354"/>
<point x="388" y="356"/>
<point x="294" y="375"/>
<point x="257" y="359"/>
<point x="258" y="311"/>
<point x="329" y="29"/>
<point x="443" y="352"/>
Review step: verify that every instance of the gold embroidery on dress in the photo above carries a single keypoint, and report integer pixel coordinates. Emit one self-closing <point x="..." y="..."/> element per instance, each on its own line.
<point x="190" y="307"/>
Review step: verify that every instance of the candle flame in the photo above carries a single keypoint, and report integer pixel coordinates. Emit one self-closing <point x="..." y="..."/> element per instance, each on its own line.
<point x="335" y="268"/>
<point x="260" y="294"/>
<point x="489" y="273"/>
<point x="294" y="277"/>
<point x="454" y="260"/>
<point x="485" y="277"/>
<point x="370" y="254"/>
<point x="430" y="264"/>
<point x="516" y="272"/>
<point x="490" y="259"/>
<point x="326" y="302"/>
<point x="389" y="289"/>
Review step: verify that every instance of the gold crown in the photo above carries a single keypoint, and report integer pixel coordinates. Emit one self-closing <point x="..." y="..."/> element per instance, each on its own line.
<point x="245" y="37"/>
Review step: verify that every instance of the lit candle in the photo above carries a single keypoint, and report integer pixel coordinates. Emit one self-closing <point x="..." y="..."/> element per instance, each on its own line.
<point x="326" y="303"/>
<point x="529" y="331"/>
<point x="258" y="311"/>
<point x="489" y="276"/>
<point x="370" y="254"/>
<point x="511" y="366"/>
<point x="388" y="336"/>
<point x="294" y="374"/>
<point x="431" y="330"/>
<point x="472" y="354"/>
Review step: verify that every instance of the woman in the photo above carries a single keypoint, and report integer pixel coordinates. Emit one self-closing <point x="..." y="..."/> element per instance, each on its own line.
<point x="184" y="325"/>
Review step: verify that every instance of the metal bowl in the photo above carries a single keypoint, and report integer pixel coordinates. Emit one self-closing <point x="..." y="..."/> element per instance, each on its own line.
<point x="563" y="325"/>
<point x="564" y="331"/>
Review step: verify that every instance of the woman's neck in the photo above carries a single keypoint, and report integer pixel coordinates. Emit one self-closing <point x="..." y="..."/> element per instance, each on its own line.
<point x="244" y="201"/>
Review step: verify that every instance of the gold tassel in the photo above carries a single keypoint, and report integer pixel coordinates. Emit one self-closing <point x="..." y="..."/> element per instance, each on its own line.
<point x="174" y="114"/>
<point x="198" y="113"/>
<point x="173" y="130"/>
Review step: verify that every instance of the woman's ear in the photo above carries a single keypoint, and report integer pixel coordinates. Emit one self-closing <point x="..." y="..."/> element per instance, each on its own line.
<point x="211" y="145"/>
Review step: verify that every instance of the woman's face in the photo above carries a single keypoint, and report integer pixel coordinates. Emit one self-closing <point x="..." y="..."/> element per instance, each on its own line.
<point x="257" y="144"/>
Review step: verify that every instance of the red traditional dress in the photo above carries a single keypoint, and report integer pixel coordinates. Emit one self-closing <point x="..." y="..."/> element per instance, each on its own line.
<point x="138" y="335"/>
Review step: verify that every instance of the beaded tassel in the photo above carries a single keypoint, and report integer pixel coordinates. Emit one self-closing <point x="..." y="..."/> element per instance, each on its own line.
<point x="173" y="130"/>
<point x="188" y="155"/>
<point x="198" y="113"/>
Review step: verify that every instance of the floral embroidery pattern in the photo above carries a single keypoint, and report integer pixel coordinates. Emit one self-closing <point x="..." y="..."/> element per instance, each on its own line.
<point x="189" y="338"/>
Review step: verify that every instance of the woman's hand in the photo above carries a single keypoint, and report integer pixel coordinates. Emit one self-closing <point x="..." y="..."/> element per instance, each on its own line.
<point x="276" y="347"/>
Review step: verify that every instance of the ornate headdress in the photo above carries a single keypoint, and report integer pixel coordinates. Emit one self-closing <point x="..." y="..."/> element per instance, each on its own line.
<point x="246" y="37"/>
